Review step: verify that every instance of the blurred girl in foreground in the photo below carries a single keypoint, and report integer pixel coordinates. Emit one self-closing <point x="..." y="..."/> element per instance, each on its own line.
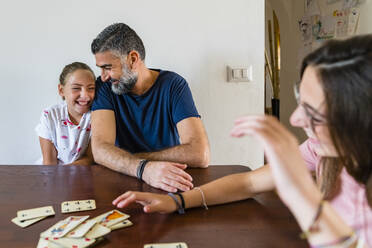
<point x="335" y="110"/>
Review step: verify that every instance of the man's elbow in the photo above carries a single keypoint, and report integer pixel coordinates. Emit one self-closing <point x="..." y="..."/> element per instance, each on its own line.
<point x="203" y="157"/>
<point x="96" y="152"/>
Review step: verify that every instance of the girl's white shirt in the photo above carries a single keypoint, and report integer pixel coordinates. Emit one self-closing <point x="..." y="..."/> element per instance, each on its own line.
<point x="71" y="141"/>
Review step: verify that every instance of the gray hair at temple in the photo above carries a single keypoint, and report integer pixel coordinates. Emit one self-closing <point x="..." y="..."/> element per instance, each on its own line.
<point x="120" y="39"/>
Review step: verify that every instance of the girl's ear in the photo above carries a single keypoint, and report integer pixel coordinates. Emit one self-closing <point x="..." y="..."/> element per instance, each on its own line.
<point x="60" y="91"/>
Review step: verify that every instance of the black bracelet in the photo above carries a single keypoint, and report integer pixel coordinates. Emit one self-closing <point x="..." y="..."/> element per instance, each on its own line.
<point x="180" y="209"/>
<point x="141" y="168"/>
<point x="182" y="199"/>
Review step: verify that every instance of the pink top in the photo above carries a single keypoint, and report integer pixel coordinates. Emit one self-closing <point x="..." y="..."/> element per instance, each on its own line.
<point x="351" y="203"/>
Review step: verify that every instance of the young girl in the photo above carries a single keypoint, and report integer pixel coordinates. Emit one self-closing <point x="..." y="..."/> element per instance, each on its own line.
<point x="335" y="110"/>
<point x="64" y="129"/>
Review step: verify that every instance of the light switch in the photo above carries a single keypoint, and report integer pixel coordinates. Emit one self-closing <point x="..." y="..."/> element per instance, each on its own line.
<point x="245" y="73"/>
<point x="239" y="74"/>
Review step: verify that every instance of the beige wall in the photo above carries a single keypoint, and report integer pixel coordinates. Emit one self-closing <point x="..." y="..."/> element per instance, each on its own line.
<point x="289" y="12"/>
<point x="365" y="22"/>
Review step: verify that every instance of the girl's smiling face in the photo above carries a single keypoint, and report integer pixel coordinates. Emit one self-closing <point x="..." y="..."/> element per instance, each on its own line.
<point x="78" y="91"/>
<point x="310" y="113"/>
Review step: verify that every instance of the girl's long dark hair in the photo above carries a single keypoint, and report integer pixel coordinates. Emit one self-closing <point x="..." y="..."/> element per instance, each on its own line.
<point x="345" y="69"/>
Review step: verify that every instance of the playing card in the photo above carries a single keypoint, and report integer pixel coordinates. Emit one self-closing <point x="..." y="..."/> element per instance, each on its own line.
<point x="64" y="226"/>
<point x="35" y="213"/>
<point x="45" y="243"/>
<point x="167" y="245"/>
<point x="97" y="231"/>
<point x="82" y="229"/>
<point x="26" y="223"/>
<point x="73" y="243"/>
<point x="122" y="224"/>
<point x="111" y="218"/>
<point x="76" y="206"/>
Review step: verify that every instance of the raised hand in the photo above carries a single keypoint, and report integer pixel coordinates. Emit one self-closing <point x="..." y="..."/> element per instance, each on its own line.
<point x="281" y="149"/>
<point x="167" y="176"/>
<point x="151" y="202"/>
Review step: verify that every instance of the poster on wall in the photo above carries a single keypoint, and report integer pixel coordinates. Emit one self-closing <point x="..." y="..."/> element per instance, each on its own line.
<point x="349" y="4"/>
<point x="312" y="7"/>
<point x="346" y="22"/>
<point x="352" y="3"/>
<point x="316" y="27"/>
<point x="305" y="29"/>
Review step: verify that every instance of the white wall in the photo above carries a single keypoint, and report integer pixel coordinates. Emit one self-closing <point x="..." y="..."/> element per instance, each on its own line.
<point x="197" y="39"/>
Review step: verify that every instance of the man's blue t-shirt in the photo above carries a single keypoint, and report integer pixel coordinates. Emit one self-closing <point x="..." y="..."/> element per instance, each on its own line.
<point x="147" y="123"/>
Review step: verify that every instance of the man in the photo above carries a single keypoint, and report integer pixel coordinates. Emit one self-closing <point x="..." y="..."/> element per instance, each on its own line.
<point x="144" y="121"/>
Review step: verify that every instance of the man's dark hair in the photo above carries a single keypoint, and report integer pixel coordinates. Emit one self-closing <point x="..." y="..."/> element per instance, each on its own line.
<point x="118" y="38"/>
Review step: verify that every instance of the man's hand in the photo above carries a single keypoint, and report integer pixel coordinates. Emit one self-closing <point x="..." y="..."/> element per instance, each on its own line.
<point x="167" y="176"/>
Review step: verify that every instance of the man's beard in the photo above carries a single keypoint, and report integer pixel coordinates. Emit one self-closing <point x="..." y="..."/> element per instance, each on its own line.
<point x="125" y="83"/>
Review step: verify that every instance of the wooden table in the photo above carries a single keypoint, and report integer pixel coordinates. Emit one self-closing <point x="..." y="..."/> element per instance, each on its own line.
<point x="260" y="222"/>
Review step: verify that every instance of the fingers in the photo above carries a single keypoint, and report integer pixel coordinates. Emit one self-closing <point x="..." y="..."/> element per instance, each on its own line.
<point x="163" y="204"/>
<point x="171" y="185"/>
<point x="152" y="202"/>
<point x="181" y="166"/>
<point x="252" y="125"/>
<point x="177" y="183"/>
<point x="183" y="174"/>
<point x="149" y="209"/>
<point x="121" y="198"/>
<point x="168" y="176"/>
<point x="125" y="199"/>
<point x="166" y="187"/>
<point x="243" y="126"/>
<point x="155" y="208"/>
<point x="181" y="178"/>
<point x="130" y="197"/>
<point x="266" y="129"/>
<point x="177" y="179"/>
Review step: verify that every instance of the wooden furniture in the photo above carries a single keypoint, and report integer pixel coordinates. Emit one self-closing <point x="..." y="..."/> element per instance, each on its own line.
<point x="260" y="222"/>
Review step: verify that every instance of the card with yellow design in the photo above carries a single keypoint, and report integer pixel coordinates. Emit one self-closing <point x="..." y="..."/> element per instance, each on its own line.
<point x="111" y="218"/>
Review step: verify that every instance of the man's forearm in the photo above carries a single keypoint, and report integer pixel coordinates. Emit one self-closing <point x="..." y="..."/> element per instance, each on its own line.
<point x="192" y="155"/>
<point x="116" y="159"/>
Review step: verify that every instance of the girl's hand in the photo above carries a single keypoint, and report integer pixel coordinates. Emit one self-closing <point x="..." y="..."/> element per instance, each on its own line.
<point x="151" y="202"/>
<point x="281" y="149"/>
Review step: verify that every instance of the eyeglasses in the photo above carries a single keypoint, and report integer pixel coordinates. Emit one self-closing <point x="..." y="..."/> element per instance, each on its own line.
<point x="315" y="118"/>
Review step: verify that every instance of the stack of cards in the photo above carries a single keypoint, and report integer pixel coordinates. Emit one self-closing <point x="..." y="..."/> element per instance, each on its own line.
<point x="30" y="216"/>
<point x="79" y="232"/>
